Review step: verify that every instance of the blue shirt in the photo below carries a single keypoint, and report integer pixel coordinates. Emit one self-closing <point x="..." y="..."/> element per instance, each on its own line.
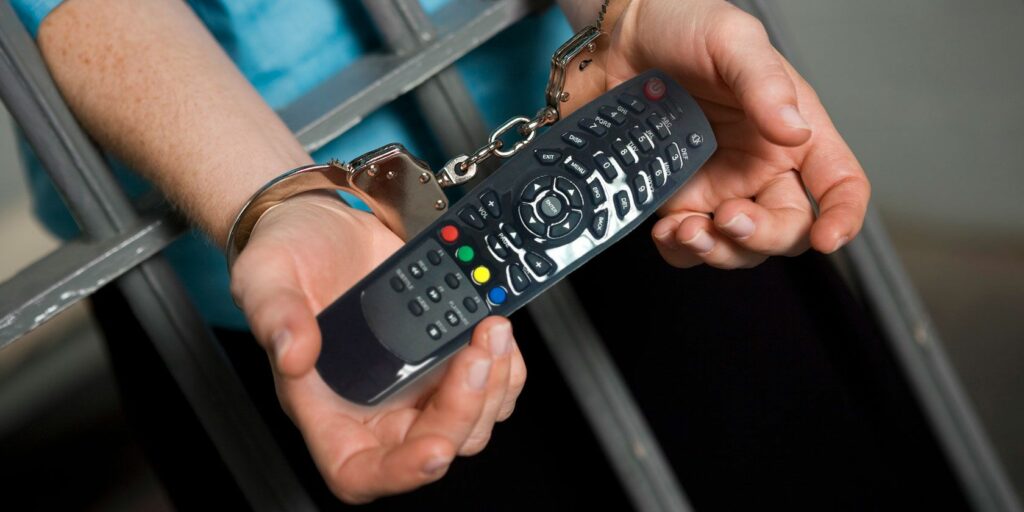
<point x="286" y="48"/>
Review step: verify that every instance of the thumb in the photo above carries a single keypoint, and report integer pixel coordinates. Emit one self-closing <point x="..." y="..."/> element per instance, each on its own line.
<point x="278" y="311"/>
<point x="749" y="64"/>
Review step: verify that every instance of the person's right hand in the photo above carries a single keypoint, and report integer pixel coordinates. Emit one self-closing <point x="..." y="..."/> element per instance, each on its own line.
<point x="302" y="255"/>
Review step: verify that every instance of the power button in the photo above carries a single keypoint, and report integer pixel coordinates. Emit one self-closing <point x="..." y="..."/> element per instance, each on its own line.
<point x="654" y="89"/>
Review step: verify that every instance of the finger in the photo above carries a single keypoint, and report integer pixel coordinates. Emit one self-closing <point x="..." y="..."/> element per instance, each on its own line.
<point x="382" y="471"/>
<point x="494" y="335"/>
<point x="779" y="222"/>
<point x="516" y="383"/>
<point x="837" y="181"/>
<point x="265" y="287"/>
<point x="696" y="237"/>
<point x="754" y="70"/>
<point x="455" y="407"/>
<point x="664" y="234"/>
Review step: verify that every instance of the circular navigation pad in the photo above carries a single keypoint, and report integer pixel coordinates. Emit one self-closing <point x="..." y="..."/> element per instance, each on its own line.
<point x="551" y="207"/>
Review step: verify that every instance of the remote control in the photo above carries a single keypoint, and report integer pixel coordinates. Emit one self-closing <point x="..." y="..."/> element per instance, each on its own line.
<point x="582" y="185"/>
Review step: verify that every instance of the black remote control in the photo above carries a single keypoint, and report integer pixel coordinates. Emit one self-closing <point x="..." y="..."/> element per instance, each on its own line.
<point x="582" y="185"/>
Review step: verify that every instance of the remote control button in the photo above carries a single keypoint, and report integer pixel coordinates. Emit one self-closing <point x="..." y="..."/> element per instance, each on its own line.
<point x="604" y="164"/>
<point x="600" y="224"/>
<point x="513" y="235"/>
<point x="535" y="187"/>
<point x="434" y="294"/>
<point x="593" y="127"/>
<point x="470" y="216"/>
<point x="625" y="151"/>
<point x="621" y="203"/>
<point x="596" y="192"/>
<point x="415" y="270"/>
<point x="575" y="167"/>
<point x="641" y="188"/>
<point x="654" y="89"/>
<point x="538" y="264"/>
<point x="658" y="124"/>
<point x="547" y="156"/>
<point x="481" y="275"/>
<point x="497" y="249"/>
<point x="497" y="295"/>
<point x="695" y="140"/>
<point x="551" y="207"/>
<point x="675" y="160"/>
<point x="449" y="233"/>
<point x="641" y="139"/>
<point x="530" y="220"/>
<point x="397" y="284"/>
<point x="451" y="318"/>
<point x="490" y="201"/>
<point x="564" y="228"/>
<point x="465" y="254"/>
<point x="469" y="304"/>
<point x="434" y="257"/>
<point x="415" y="308"/>
<point x="632" y="102"/>
<point x="569" y="189"/>
<point x="658" y="171"/>
<point x="518" y="279"/>
<point x="574" y="139"/>
<point x="612" y="114"/>
<point x="434" y="332"/>
<point x="451" y="280"/>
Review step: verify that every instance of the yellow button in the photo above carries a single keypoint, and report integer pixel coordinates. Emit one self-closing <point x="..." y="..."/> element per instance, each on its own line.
<point x="481" y="275"/>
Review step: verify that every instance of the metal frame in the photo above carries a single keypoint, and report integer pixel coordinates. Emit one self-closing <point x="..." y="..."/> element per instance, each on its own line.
<point x="123" y="245"/>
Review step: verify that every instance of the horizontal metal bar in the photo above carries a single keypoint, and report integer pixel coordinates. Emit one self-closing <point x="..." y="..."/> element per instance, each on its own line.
<point x="74" y="271"/>
<point x="345" y="99"/>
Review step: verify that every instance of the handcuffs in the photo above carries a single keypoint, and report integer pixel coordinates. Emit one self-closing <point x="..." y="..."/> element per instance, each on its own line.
<point x="399" y="188"/>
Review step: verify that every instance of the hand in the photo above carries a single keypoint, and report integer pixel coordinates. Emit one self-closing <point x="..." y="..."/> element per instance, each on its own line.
<point x="302" y="255"/>
<point x="774" y="137"/>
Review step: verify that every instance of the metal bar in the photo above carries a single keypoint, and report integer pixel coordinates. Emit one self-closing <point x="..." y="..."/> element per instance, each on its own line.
<point x="573" y="340"/>
<point x="444" y="99"/>
<point x="910" y="332"/>
<point x="76" y="270"/>
<point x="343" y="100"/>
<point x="179" y="335"/>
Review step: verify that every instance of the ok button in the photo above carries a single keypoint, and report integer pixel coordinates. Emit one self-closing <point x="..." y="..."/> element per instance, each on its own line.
<point x="551" y="206"/>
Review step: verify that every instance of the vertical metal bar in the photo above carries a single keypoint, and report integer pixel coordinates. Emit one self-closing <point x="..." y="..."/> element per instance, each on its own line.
<point x="913" y="338"/>
<point x="574" y="342"/>
<point x="157" y="298"/>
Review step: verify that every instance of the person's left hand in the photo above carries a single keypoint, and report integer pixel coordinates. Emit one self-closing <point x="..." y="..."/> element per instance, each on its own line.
<point x="774" y="137"/>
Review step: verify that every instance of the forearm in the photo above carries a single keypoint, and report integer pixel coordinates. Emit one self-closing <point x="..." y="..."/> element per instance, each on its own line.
<point x="152" y="86"/>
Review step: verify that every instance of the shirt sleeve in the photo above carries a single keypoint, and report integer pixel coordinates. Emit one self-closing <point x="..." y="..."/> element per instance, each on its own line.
<point x="32" y="12"/>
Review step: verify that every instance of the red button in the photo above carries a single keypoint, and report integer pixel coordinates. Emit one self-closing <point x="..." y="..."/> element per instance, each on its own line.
<point x="449" y="233"/>
<point x="654" y="89"/>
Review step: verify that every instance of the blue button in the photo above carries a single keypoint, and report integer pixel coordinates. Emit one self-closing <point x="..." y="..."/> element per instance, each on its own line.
<point x="497" y="295"/>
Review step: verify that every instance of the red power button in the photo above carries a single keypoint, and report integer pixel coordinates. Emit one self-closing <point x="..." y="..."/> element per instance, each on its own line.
<point x="449" y="233"/>
<point x="654" y="89"/>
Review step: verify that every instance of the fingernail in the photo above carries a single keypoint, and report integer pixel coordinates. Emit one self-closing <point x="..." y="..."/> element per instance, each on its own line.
<point x="500" y="339"/>
<point x="840" y="243"/>
<point x="436" y="465"/>
<point x="739" y="227"/>
<point x="478" y="374"/>
<point x="701" y="243"/>
<point x="279" y="343"/>
<point x="791" y="116"/>
<point x="662" y="233"/>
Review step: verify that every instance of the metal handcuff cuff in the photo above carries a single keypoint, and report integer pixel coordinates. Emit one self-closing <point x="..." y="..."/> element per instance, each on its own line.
<point x="399" y="188"/>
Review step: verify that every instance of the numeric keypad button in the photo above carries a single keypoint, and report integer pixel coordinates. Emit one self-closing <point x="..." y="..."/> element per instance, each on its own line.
<point x="605" y="165"/>
<point x="675" y="160"/>
<point x="626" y="153"/>
<point x="641" y="139"/>
<point x="574" y="139"/>
<point x="570" y="191"/>
<point x="518" y="279"/>
<point x="490" y="201"/>
<point x="659" y="174"/>
<point x="591" y="126"/>
<point x="658" y="124"/>
<point x="471" y="217"/>
<point x="632" y="102"/>
<point x="641" y="188"/>
<point x="530" y="220"/>
<point x="599" y="224"/>
<point x="538" y="264"/>
<point x="622" y="205"/>
<point x="612" y="114"/>
<point x="562" y="228"/>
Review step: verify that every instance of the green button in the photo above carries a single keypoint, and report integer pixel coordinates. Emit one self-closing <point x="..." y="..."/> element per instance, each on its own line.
<point x="464" y="254"/>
